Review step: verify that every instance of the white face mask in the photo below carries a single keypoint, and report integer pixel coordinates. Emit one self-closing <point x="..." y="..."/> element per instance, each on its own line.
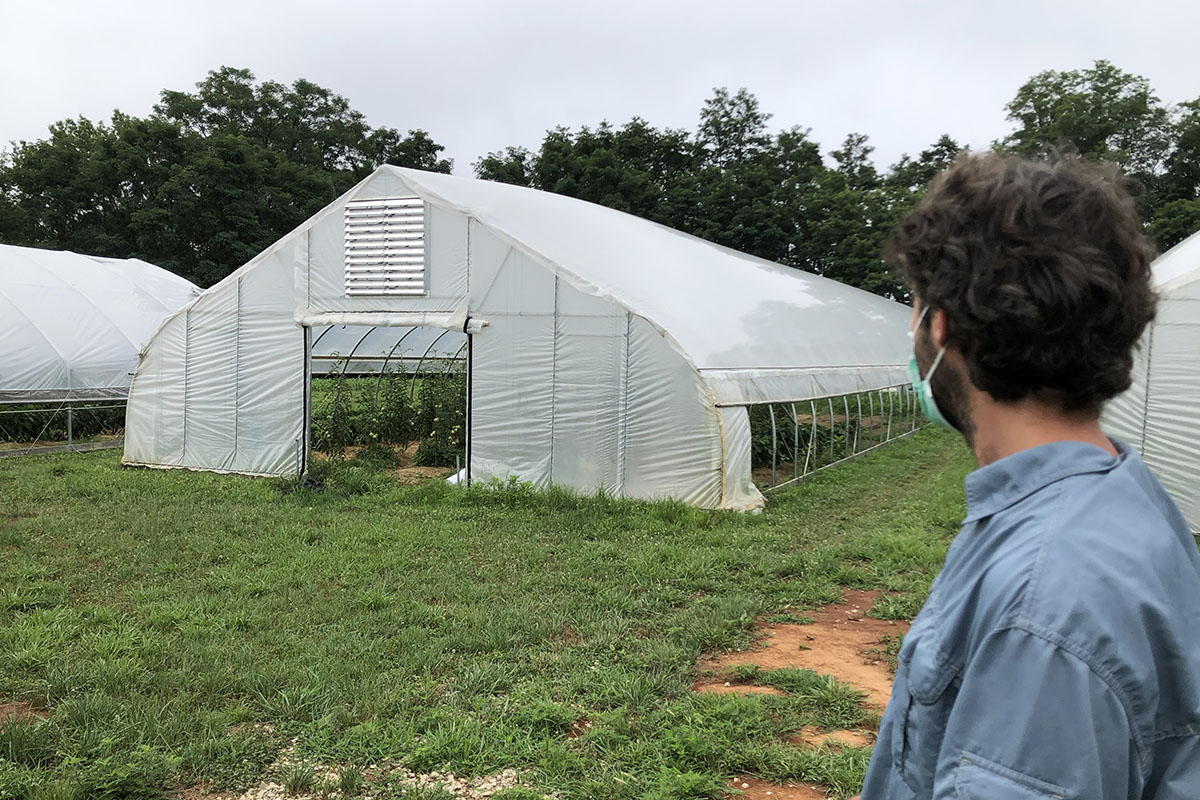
<point x="921" y="386"/>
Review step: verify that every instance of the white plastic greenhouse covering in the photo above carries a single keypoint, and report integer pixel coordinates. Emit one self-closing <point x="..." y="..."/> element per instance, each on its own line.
<point x="71" y="325"/>
<point x="358" y="350"/>
<point x="606" y="352"/>
<point x="1158" y="413"/>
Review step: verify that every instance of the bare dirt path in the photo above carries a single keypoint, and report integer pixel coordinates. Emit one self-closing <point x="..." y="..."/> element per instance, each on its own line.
<point x="838" y="642"/>
<point x="841" y="641"/>
<point x="760" y="790"/>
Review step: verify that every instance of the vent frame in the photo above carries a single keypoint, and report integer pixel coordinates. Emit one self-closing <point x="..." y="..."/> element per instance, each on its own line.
<point x="384" y="250"/>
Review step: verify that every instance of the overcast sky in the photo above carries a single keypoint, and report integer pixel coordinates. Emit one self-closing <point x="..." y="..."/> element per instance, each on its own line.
<point x="483" y="75"/>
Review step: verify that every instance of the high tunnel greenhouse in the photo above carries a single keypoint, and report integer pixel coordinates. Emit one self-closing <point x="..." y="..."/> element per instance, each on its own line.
<point x="603" y="352"/>
<point x="72" y="324"/>
<point x="1158" y="414"/>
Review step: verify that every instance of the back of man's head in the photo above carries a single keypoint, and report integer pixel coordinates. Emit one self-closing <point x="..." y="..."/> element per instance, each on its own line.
<point x="1042" y="270"/>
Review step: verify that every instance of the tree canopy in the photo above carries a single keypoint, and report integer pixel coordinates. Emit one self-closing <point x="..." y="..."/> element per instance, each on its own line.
<point x="212" y="177"/>
<point x="735" y="183"/>
<point x="1104" y="113"/>
<point x="205" y="182"/>
<point x="780" y="197"/>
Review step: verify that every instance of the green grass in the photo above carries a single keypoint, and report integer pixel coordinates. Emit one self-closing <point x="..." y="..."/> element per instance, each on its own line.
<point x="832" y="704"/>
<point x="185" y="627"/>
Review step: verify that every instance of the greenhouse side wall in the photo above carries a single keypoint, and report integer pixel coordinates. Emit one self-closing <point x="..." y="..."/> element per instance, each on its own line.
<point x="571" y="389"/>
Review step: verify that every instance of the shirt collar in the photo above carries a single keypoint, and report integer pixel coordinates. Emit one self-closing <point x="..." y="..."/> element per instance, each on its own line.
<point x="1002" y="483"/>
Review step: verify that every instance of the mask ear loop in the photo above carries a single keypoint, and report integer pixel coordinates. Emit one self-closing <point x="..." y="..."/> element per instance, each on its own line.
<point x="937" y="360"/>
<point x="912" y="332"/>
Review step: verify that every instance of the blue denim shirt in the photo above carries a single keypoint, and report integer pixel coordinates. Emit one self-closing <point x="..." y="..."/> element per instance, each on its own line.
<point x="1058" y="655"/>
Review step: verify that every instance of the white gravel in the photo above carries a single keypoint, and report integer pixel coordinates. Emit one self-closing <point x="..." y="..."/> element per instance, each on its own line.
<point x="479" y="787"/>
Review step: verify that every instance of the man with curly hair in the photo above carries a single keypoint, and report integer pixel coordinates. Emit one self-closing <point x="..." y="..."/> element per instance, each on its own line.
<point x="1058" y="654"/>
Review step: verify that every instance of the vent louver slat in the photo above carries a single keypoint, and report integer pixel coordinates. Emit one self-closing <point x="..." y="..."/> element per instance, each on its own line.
<point x="385" y="246"/>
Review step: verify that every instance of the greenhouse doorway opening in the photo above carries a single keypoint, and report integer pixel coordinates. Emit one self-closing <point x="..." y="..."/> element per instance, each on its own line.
<point x="394" y="398"/>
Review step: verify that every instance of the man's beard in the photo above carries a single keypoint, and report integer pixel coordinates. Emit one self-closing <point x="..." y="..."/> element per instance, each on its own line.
<point x="949" y="387"/>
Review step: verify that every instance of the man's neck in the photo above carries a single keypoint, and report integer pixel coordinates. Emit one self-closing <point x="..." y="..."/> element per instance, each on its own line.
<point x="1002" y="429"/>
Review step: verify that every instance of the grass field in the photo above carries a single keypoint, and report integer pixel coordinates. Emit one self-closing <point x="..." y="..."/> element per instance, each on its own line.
<point x="178" y="629"/>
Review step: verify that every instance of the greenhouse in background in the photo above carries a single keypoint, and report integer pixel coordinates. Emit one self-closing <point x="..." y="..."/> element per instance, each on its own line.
<point x="72" y="326"/>
<point x="1157" y="415"/>
<point x="600" y="351"/>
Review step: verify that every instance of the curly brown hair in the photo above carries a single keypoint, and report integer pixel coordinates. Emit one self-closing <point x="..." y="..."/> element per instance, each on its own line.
<point x="1042" y="270"/>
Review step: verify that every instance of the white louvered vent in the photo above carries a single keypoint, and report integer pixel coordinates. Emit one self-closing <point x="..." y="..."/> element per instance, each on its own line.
<point x="385" y="246"/>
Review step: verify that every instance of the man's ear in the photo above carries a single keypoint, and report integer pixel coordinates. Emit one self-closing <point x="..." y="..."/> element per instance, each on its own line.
<point x="939" y="328"/>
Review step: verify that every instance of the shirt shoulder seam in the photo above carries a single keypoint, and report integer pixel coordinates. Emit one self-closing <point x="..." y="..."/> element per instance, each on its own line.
<point x="1103" y="673"/>
<point x="1186" y="730"/>
<point x="1055" y="477"/>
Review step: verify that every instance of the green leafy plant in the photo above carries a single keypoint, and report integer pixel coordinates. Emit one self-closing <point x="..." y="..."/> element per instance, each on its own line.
<point x="333" y="418"/>
<point x="744" y="673"/>
<point x="442" y="418"/>
<point x="392" y="418"/>
<point x="299" y="777"/>
<point x="676" y="785"/>
<point x="31" y="743"/>
<point x="350" y="782"/>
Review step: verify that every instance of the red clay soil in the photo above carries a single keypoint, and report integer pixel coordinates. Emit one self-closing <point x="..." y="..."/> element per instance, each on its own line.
<point x="19" y="711"/>
<point x="840" y="641"/>
<point x="755" y="789"/>
<point x="725" y="687"/>
<point x="405" y="472"/>
<point x="815" y="737"/>
<point x="411" y="475"/>
<point x="837" y="642"/>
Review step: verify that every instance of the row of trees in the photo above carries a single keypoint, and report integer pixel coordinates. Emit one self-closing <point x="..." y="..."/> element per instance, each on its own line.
<point x="774" y="195"/>
<point x="735" y="183"/>
<point x="210" y="178"/>
<point x="205" y="182"/>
